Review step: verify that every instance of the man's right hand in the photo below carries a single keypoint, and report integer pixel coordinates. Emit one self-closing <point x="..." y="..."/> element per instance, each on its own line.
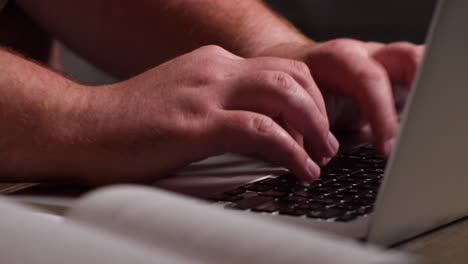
<point x="205" y="103"/>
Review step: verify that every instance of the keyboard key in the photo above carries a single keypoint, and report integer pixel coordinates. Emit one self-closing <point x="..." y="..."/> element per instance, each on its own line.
<point x="292" y="211"/>
<point x="370" y="196"/>
<point x="338" y="186"/>
<point x="310" y="206"/>
<point x="286" y="189"/>
<point x="361" y="202"/>
<point x="347" y="207"/>
<point x="322" y="191"/>
<point x="342" y="197"/>
<point x="274" y="193"/>
<point x="364" y="210"/>
<point x="297" y="189"/>
<point x="375" y="182"/>
<point x="303" y="193"/>
<point x="369" y="187"/>
<point x="294" y="199"/>
<point x="350" y="181"/>
<point x="364" y="165"/>
<point x="314" y="214"/>
<point x="374" y="161"/>
<point x="325" y="201"/>
<point x="353" y="192"/>
<point x="334" y="175"/>
<point x="374" y="171"/>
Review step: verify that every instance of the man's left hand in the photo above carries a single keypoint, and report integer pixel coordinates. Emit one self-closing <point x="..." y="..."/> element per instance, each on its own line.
<point x="350" y="72"/>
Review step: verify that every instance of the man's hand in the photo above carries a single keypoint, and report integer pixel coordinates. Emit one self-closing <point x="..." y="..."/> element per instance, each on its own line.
<point x="201" y="104"/>
<point x="362" y="71"/>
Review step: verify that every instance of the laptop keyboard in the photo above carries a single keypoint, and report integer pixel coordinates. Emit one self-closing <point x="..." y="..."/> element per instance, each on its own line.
<point x="347" y="189"/>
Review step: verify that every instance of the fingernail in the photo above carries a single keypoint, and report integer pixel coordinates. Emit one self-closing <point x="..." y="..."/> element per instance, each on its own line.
<point x="312" y="169"/>
<point x="324" y="161"/>
<point x="333" y="144"/>
<point x="388" y="146"/>
<point x="304" y="183"/>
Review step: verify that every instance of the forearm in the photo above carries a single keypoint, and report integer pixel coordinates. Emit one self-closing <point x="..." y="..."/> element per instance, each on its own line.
<point x="127" y="37"/>
<point x="38" y="110"/>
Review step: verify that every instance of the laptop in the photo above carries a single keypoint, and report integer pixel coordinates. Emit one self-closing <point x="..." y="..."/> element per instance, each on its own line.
<point x="421" y="187"/>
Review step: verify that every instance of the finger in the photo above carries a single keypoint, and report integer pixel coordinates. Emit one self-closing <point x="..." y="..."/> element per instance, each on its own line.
<point x="367" y="82"/>
<point x="319" y="160"/>
<point x="400" y="60"/>
<point x="278" y="95"/>
<point x="296" y="69"/>
<point x="373" y="46"/>
<point x="255" y="134"/>
<point x="400" y="95"/>
<point x="372" y="90"/>
<point x="296" y="135"/>
<point x="344" y="66"/>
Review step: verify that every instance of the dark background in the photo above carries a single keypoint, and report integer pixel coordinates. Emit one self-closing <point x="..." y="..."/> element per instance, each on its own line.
<point x="375" y="20"/>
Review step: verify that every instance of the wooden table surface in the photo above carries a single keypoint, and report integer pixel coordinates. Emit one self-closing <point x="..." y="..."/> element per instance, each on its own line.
<point x="8" y="188"/>
<point x="447" y="245"/>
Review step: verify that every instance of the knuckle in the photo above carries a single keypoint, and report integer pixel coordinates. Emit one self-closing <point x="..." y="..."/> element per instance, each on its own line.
<point x="217" y="53"/>
<point x="414" y="56"/>
<point x="280" y="82"/>
<point x="211" y="55"/>
<point x="209" y="66"/>
<point x="339" y="49"/>
<point x="344" y="43"/>
<point x="213" y="49"/>
<point x="261" y="126"/>
<point x="414" y="59"/>
<point x="299" y="66"/>
<point x="411" y="51"/>
<point x="291" y="148"/>
<point x="323" y="125"/>
<point x="371" y="74"/>
<point x="401" y="44"/>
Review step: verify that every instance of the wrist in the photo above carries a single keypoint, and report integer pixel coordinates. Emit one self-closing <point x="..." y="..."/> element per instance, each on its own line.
<point x="40" y="130"/>
<point x="81" y="129"/>
<point x="286" y="49"/>
<point x="65" y="133"/>
<point x="103" y="143"/>
<point x="272" y="45"/>
<point x="261" y="29"/>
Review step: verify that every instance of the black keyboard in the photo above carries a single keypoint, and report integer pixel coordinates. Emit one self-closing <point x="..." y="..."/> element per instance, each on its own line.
<point x="347" y="189"/>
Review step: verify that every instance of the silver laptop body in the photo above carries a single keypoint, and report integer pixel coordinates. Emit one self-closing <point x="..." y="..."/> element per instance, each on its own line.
<point x="426" y="183"/>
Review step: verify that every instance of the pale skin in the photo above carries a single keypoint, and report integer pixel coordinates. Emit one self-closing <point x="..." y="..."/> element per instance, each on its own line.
<point x="276" y="98"/>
